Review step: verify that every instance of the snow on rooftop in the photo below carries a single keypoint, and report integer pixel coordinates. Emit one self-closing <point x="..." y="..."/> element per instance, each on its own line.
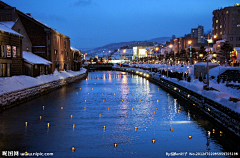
<point x="205" y="64"/>
<point x="4" y="28"/>
<point x="219" y="41"/>
<point x="74" y="49"/>
<point x="9" y="24"/>
<point x="35" y="59"/>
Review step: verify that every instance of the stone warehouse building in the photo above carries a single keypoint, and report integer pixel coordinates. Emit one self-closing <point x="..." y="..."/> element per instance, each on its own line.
<point x="11" y="52"/>
<point x="39" y="38"/>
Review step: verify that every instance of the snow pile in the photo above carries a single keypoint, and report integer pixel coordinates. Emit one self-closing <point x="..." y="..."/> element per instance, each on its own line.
<point x="14" y="83"/>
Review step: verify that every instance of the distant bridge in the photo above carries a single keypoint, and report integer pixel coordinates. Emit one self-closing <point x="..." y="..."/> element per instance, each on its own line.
<point x="106" y="66"/>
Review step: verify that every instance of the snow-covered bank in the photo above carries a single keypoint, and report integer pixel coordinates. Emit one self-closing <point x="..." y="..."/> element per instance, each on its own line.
<point x="14" y="83"/>
<point x="221" y="96"/>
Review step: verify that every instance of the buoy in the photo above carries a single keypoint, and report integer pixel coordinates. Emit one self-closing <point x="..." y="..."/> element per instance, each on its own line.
<point x="85" y="108"/>
<point x="48" y="124"/>
<point x="73" y="125"/>
<point x="153" y="140"/>
<point x="190" y="137"/>
<point x="99" y="115"/>
<point x="156" y="108"/>
<point x="115" y="144"/>
<point x="40" y="117"/>
<point x="73" y="149"/>
<point x="43" y="107"/>
<point x="171" y="129"/>
<point x="26" y="123"/>
<point x="104" y="127"/>
<point x="71" y="116"/>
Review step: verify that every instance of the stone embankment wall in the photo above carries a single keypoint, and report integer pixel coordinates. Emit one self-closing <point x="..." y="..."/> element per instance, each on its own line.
<point x="14" y="98"/>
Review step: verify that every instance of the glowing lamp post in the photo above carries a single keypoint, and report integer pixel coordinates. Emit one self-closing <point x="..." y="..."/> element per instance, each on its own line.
<point x="170" y="46"/>
<point x="190" y="45"/>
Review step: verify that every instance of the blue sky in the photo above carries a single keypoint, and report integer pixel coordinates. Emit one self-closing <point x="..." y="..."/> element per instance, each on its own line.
<point x="93" y="23"/>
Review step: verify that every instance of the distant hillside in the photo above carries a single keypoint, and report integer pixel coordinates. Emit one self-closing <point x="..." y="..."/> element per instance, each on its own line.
<point x="112" y="46"/>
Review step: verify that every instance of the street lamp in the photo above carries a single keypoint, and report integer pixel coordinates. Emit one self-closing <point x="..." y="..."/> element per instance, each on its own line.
<point x="169" y="46"/>
<point x="190" y="43"/>
<point x="201" y="55"/>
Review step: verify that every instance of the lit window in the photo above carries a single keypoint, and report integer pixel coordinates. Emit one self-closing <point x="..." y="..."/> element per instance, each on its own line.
<point x="238" y="25"/>
<point x="220" y="26"/>
<point x="227" y="12"/>
<point x="218" y="45"/>
<point x="216" y="27"/>
<point x="220" y="33"/>
<point x="216" y="21"/>
<point x="213" y="28"/>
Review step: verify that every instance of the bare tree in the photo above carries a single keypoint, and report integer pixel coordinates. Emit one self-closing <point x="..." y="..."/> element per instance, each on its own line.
<point x="225" y="50"/>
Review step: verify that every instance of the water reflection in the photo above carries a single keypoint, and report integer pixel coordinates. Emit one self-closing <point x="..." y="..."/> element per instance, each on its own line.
<point x="89" y="137"/>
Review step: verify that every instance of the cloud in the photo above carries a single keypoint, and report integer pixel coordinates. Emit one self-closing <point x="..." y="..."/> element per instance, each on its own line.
<point x="83" y="2"/>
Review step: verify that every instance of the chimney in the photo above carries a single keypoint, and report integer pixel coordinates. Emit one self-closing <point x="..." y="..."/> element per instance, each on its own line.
<point x="29" y="14"/>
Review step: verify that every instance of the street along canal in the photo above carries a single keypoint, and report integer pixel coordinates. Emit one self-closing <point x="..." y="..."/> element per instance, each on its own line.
<point x="107" y="108"/>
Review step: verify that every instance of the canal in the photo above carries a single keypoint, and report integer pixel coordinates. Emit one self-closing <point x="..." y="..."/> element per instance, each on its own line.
<point x="110" y="107"/>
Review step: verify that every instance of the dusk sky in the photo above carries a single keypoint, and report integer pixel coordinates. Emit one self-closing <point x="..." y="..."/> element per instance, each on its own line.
<point x="94" y="23"/>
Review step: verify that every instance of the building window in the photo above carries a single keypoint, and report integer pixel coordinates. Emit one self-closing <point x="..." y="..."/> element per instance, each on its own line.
<point x="224" y="25"/>
<point x="5" y="70"/>
<point x="224" y="19"/>
<point x="8" y="51"/>
<point x="234" y="31"/>
<point x="227" y="12"/>
<point x="216" y="21"/>
<point x="238" y="38"/>
<point x="36" y="66"/>
<point x="220" y="26"/>
<point x="216" y="27"/>
<point x="220" y="20"/>
<point x="55" y="51"/>
<point x="14" y="51"/>
<point x="3" y="51"/>
<point x="231" y="38"/>
<point x="220" y="33"/>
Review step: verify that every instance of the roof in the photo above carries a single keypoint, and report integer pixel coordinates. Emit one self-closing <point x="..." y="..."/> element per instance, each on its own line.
<point x="219" y="41"/>
<point x="35" y="59"/>
<point x="9" y="24"/>
<point x="74" y="49"/>
<point x="205" y="64"/>
<point x="4" y="28"/>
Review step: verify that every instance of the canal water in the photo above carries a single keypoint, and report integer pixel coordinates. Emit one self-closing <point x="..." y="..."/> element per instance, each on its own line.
<point x="134" y="111"/>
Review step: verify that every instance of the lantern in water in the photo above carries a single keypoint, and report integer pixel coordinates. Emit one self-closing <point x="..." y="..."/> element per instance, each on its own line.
<point x="113" y="93"/>
<point x="115" y="144"/>
<point x="71" y="116"/>
<point x="84" y="108"/>
<point x="126" y="113"/>
<point x="103" y="100"/>
<point x="92" y="88"/>
<point x="26" y="123"/>
<point x="104" y="127"/>
<point x="213" y="130"/>
<point x="79" y="88"/>
<point x="153" y="140"/>
<point x="158" y="88"/>
<point x="87" y="93"/>
<point x="161" y="93"/>
<point x="156" y="108"/>
<point x="99" y="115"/>
<point x="153" y="112"/>
<point x="73" y="149"/>
<point x="77" y="93"/>
<point x="171" y="129"/>
<point x="179" y="111"/>
<point x="61" y="107"/>
<point x="136" y="128"/>
<point x="122" y="100"/>
<point x="190" y="137"/>
<point x="48" y="124"/>
<point x="132" y="108"/>
<point x="108" y="108"/>
<point x="40" y="117"/>
<point x="179" y="107"/>
<point x="85" y="100"/>
<point x="139" y="100"/>
<point x="157" y="100"/>
<point x="102" y="93"/>
<point x="43" y="107"/>
<point x="73" y="125"/>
